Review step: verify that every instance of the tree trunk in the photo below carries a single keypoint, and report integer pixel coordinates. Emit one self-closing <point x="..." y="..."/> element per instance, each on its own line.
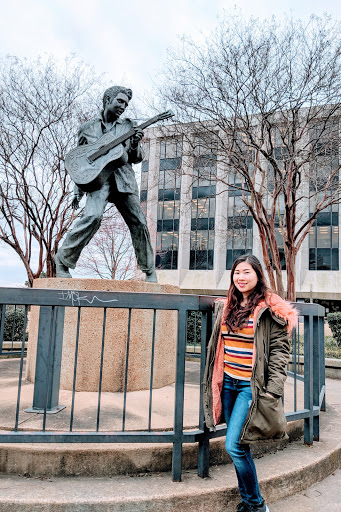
<point x="291" y="267"/>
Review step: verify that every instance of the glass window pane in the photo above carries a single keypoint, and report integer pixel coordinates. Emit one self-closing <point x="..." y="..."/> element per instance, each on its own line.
<point x="199" y="240"/>
<point x="145" y="166"/>
<point x="323" y="219"/>
<point x="171" y="148"/>
<point x="211" y="240"/>
<point x="161" y="179"/>
<point x="335" y="240"/>
<point x="312" y="259"/>
<point x="167" y="240"/>
<point x="160" y="210"/>
<point x="324" y="236"/>
<point x="324" y="259"/>
<point x="168" y="210"/>
<point x="240" y="240"/>
<point x="158" y="241"/>
<point x="312" y="236"/>
<point x="279" y="236"/>
<point x="169" y="180"/>
<point x="335" y="259"/>
<point x="177" y="209"/>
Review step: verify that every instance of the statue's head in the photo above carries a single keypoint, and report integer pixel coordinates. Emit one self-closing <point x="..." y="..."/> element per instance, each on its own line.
<point x="113" y="91"/>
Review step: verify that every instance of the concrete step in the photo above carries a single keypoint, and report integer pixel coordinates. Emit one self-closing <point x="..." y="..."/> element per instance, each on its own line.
<point x="48" y="459"/>
<point x="281" y="474"/>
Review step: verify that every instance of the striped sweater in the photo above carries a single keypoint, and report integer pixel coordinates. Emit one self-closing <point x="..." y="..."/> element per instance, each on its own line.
<point x="238" y="351"/>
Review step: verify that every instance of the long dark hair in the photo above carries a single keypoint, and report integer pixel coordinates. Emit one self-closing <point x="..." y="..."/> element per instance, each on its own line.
<point x="236" y="316"/>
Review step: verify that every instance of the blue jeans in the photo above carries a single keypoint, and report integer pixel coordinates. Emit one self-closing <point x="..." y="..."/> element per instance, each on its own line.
<point x="236" y="400"/>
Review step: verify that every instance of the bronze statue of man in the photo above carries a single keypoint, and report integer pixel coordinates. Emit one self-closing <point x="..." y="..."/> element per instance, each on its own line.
<point x="120" y="189"/>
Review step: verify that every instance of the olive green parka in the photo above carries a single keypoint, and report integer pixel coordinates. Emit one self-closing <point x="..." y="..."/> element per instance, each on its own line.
<point x="274" y="319"/>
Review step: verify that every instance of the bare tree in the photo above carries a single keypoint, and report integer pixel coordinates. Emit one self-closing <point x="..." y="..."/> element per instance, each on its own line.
<point x="269" y="95"/>
<point x="110" y="254"/>
<point x="41" y="105"/>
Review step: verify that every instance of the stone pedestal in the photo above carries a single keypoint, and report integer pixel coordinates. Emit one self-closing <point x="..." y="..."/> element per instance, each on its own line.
<point x="115" y="342"/>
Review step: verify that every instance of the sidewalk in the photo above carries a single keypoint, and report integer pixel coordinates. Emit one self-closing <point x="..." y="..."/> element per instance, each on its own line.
<point x="325" y="495"/>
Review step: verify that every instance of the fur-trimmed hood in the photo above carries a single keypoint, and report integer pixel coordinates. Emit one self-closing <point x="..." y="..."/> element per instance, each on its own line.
<point x="280" y="308"/>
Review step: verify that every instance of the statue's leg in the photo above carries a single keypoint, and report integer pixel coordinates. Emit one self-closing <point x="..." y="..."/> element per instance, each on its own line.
<point x="130" y="208"/>
<point x="85" y="227"/>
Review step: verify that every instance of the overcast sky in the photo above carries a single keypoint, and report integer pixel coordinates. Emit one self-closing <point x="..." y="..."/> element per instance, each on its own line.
<point x="126" y="40"/>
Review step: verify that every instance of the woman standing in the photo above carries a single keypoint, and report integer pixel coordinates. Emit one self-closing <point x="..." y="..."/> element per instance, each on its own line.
<point x="246" y="369"/>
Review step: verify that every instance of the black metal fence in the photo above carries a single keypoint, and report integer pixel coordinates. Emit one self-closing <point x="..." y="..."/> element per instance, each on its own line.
<point x="53" y="304"/>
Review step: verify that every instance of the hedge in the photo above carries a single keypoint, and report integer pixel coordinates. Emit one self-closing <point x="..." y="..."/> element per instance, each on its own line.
<point x="14" y="325"/>
<point x="334" y="322"/>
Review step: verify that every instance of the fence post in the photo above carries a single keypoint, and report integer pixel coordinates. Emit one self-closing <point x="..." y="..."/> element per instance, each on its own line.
<point x="179" y="396"/>
<point x="48" y="360"/>
<point x="322" y="363"/>
<point x="316" y="376"/>
<point x="204" y="444"/>
<point x="308" y="377"/>
<point x="2" y="324"/>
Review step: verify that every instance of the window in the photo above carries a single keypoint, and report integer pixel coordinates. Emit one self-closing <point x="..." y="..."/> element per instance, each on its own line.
<point x="324" y="240"/>
<point x="203" y="206"/>
<point x="167" y="238"/>
<point x="239" y="225"/>
<point x="324" y="234"/>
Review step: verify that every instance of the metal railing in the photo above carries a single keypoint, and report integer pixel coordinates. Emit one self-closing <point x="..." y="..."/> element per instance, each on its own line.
<point x="53" y="304"/>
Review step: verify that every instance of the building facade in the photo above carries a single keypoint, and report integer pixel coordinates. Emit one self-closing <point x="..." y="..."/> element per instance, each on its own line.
<point x="198" y="226"/>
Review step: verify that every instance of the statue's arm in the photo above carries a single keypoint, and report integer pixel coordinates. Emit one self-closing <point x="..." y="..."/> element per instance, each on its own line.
<point x="135" y="149"/>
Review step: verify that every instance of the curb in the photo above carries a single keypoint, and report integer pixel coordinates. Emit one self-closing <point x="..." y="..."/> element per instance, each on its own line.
<point x="98" y="460"/>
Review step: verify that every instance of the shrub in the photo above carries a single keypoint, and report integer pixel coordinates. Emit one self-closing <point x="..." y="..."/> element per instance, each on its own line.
<point x="14" y="325"/>
<point x="334" y="322"/>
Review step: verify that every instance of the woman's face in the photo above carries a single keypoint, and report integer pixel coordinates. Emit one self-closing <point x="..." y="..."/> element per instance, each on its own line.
<point x="245" y="278"/>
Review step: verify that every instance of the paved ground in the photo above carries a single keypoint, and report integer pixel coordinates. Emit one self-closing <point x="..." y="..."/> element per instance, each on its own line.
<point x="324" y="496"/>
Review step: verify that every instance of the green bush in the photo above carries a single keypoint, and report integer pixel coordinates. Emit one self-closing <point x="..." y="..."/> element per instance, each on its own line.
<point x="334" y="322"/>
<point x="14" y="325"/>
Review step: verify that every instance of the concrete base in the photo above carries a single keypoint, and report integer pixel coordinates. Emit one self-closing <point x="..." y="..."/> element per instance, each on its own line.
<point x="115" y="343"/>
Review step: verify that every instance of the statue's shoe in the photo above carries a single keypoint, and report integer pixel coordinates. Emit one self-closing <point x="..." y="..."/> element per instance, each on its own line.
<point x="61" y="269"/>
<point x="151" y="277"/>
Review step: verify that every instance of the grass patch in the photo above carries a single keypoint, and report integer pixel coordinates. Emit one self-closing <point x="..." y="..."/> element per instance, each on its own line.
<point x="331" y="349"/>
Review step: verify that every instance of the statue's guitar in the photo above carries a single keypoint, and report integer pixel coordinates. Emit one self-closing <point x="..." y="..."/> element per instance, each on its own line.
<point x="89" y="166"/>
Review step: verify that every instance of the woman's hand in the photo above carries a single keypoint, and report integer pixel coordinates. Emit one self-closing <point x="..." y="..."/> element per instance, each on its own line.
<point x="272" y="395"/>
